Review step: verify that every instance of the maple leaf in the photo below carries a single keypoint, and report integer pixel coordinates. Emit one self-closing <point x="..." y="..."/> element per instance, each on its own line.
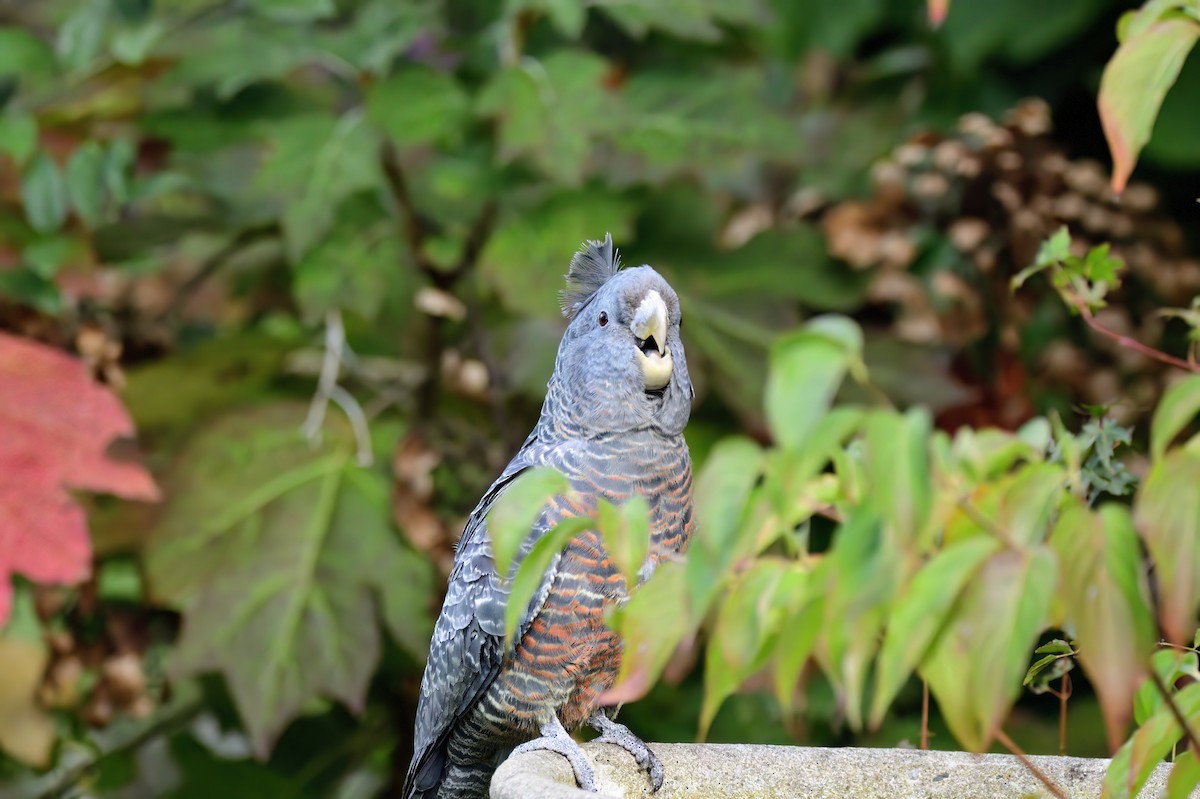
<point x="55" y="424"/>
<point x="282" y="557"/>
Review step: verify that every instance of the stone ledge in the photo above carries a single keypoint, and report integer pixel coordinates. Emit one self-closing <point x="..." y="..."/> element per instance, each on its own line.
<point x="739" y="771"/>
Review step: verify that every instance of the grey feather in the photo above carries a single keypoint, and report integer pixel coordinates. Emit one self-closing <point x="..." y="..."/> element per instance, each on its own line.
<point x="591" y="267"/>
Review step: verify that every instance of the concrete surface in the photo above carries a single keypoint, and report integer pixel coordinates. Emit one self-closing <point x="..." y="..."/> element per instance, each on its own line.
<point x="735" y="771"/>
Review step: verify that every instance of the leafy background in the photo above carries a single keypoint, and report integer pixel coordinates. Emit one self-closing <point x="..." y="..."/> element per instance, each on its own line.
<point x="313" y="247"/>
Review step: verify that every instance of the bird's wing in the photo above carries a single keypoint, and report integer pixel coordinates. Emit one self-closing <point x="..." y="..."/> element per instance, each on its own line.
<point x="468" y="640"/>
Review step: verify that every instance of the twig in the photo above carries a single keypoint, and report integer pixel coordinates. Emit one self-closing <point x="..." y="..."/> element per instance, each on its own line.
<point x="1131" y="343"/>
<point x="168" y="724"/>
<point x="414" y="228"/>
<point x="1175" y="711"/>
<point x="1042" y="776"/>
<point x="924" y="714"/>
<point x="1063" y="696"/>
<point x="328" y="389"/>
<point x="213" y="264"/>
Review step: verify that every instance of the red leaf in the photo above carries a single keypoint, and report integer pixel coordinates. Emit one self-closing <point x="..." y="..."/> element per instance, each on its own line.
<point x="55" y="425"/>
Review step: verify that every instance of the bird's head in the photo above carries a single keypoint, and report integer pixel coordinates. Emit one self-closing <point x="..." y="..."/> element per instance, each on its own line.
<point x="621" y="362"/>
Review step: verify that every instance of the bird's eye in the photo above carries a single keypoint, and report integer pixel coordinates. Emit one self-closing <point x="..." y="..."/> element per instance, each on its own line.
<point x="603" y="318"/>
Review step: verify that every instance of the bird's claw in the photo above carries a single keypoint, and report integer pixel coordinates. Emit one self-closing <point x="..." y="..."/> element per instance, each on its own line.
<point x="619" y="735"/>
<point x="556" y="739"/>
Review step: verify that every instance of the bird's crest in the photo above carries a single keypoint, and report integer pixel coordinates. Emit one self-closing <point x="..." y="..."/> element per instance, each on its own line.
<point x="591" y="267"/>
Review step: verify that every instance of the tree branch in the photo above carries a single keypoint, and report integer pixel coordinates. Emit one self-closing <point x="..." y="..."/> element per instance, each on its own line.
<point x="1042" y="776"/>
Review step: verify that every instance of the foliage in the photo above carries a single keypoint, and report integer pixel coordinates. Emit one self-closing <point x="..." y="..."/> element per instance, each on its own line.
<point x="222" y="210"/>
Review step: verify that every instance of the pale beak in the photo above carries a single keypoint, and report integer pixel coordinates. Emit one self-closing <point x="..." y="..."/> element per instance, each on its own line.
<point x="649" y="326"/>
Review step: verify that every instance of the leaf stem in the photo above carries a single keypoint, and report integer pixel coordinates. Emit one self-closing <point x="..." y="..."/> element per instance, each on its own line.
<point x="1042" y="776"/>
<point x="1180" y="719"/>
<point x="1130" y="343"/>
<point x="924" y="714"/>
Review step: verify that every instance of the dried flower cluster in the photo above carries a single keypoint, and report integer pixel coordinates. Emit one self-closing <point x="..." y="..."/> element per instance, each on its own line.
<point x="952" y="218"/>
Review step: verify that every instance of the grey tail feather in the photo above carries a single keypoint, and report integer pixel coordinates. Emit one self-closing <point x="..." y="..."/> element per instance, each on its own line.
<point x="590" y="269"/>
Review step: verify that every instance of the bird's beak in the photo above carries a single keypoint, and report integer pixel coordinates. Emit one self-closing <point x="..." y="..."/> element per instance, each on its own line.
<point x="650" y="329"/>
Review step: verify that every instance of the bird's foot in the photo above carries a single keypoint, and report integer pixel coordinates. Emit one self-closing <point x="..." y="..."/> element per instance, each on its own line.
<point x="556" y="739"/>
<point x="618" y="734"/>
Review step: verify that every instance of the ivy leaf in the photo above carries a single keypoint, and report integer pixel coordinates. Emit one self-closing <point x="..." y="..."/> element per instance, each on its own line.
<point x="569" y="16"/>
<point x="550" y="112"/>
<point x="18" y="135"/>
<point x="975" y="668"/>
<point x="419" y="106"/>
<point x="85" y="182"/>
<point x="1107" y="604"/>
<point x="280" y="555"/>
<point x="1133" y="86"/>
<point x="688" y="19"/>
<point x="22" y="53"/>
<point x="920" y="613"/>
<point x="1167" y="513"/>
<point x="524" y="258"/>
<point x="55" y="425"/>
<point x="354" y="267"/>
<point x="294" y="10"/>
<point x="1178" y="407"/>
<point x="316" y="162"/>
<point x="44" y="194"/>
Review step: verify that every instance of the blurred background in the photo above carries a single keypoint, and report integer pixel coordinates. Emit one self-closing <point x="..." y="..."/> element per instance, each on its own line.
<point x="348" y="219"/>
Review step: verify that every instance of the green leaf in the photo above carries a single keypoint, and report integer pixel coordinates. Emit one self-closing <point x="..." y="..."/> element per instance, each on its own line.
<point x="23" y="53"/>
<point x="293" y="10"/>
<point x="1133" y="763"/>
<point x="748" y="619"/>
<point x="1133" y="86"/>
<point x="919" y="615"/>
<point x="1170" y="664"/>
<point x="864" y="575"/>
<point x="626" y="532"/>
<point x="1175" y="411"/>
<point x="81" y="35"/>
<point x="651" y="624"/>
<point x="528" y="254"/>
<point x="511" y="519"/>
<point x="721" y="494"/>
<point x="316" y="162"/>
<point x="1107" y="605"/>
<point x="532" y="568"/>
<point x="686" y="19"/>
<point x="1184" y="777"/>
<point x="804" y="622"/>
<point x="419" y="106"/>
<point x="44" y="194"/>
<point x="85" y="182"/>
<point x="975" y="668"/>
<point x="550" y="112"/>
<point x="898" y="470"/>
<point x="1167" y="513"/>
<point x="278" y="554"/>
<point x="18" y="135"/>
<point x="569" y="16"/>
<point x="707" y="126"/>
<point x="355" y="267"/>
<point x="807" y="366"/>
